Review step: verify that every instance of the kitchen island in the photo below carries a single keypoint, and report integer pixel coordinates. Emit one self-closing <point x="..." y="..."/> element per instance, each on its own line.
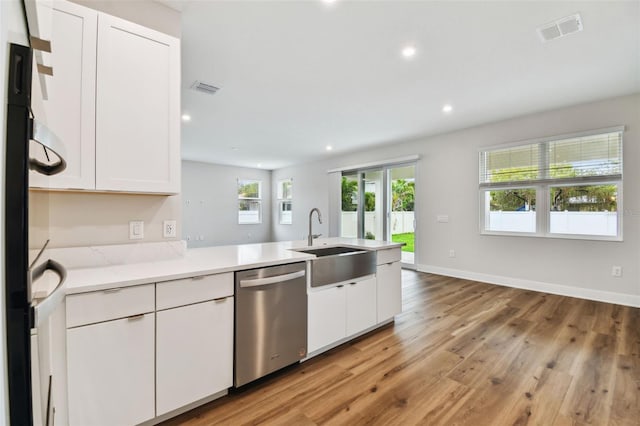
<point x="140" y="333"/>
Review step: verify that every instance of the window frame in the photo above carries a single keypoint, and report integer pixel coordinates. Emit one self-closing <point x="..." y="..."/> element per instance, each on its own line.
<point x="283" y="199"/>
<point x="544" y="184"/>
<point x="241" y="199"/>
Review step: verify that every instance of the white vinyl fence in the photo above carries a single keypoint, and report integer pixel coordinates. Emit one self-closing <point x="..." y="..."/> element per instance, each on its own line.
<point x="575" y="223"/>
<point x="401" y="222"/>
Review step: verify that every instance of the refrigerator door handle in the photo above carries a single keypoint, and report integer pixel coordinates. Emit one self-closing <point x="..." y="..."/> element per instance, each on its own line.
<point x="51" y="144"/>
<point x="49" y="265"/>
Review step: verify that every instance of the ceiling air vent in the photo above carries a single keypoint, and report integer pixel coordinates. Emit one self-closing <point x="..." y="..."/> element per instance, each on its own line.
<point x="560" y="28"/>
<point x="209" y="89"/>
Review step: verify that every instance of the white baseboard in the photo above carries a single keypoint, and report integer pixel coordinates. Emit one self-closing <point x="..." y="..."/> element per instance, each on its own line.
<point x="563" y="290"/>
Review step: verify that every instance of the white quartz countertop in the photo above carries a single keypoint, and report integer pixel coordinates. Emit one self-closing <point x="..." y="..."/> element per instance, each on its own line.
<point x="197" y="261"/>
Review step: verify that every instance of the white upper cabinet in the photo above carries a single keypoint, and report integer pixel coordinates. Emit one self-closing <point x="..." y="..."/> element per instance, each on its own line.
<point x="138" y="108"/>
<point x="39" y="15"/>
<point x="114" y="102"/>
<point x="70" y="108"/>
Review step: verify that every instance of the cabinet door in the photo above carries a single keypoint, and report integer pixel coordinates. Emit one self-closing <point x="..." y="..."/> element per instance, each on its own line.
<point x="70" y="108"/>
<point x="51" y="353"/>
<point x="327" y="317"/>
<point x="389" y="285"/>
<point x="361" y="305"/>
<point x="111" y="372"/>
<point x="194" y="353"/>
<point x="138" y="108"/>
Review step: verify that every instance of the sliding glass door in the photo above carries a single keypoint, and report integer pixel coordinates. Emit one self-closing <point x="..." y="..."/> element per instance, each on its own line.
<point x="378" y="204"/>
<point x="374" y="204"/>
<point x="402" y="219"/>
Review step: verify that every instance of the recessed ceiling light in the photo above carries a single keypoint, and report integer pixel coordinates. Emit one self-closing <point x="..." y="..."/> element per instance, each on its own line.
<point x="328" y="1"/>
<point x="409" y="51"/>
<point x="259" y="164"/>
<point x="186" y="117"/>
<point x="329" y="148"/>
<point x="447" y="108"/>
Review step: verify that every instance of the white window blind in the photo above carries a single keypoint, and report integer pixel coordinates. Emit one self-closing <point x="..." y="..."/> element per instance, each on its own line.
<point x="575" y="159"/>
<point x="566" y="186"/>
<point x="596" y="155"/>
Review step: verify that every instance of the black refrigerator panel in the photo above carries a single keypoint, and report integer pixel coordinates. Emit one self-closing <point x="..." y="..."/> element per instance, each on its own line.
<point x="19" y="315"/>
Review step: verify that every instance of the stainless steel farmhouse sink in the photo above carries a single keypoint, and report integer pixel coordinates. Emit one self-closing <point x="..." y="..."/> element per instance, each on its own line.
<point x="330" y="251"/>
<point x="337" y="264"/>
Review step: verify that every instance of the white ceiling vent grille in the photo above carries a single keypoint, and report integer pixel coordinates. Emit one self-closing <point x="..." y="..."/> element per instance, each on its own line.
<point x="560" y="28"/>
<point x="209" y="89"/>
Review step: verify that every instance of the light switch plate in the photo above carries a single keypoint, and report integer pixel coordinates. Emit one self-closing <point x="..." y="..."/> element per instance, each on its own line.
<point x="136" y="230"/>
<point x="169" y="229"/>
<point x="442" y="218"/>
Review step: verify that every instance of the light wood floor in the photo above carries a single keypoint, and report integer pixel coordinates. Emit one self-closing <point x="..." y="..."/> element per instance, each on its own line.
<point x="461" y="353"/>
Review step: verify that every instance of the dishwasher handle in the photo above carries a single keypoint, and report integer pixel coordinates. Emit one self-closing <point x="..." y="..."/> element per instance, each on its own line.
<point x="271" y="280"/>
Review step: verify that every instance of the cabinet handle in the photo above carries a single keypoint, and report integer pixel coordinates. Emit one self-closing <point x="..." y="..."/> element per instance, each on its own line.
<point x="44" y="69"/>
<point x="111" y="290"/>
<point x="390" y="263"/>
<point x="340" y="286"/>
<point x="48" y="402"/>
<point x="135" y="317"/>
<point x="40" y="44"/>
<point x="352" y="283"/>
<point x="201" y="277"/>
<point x="221" y="299"/>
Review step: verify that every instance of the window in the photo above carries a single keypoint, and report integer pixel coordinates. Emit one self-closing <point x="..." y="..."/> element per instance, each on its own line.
<point x="285" y="194"/>
<point x="558" y="187"/>
<point x="249" y="201"/>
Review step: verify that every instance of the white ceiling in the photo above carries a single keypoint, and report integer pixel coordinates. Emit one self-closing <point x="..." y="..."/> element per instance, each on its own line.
<point x="295" y="76"/>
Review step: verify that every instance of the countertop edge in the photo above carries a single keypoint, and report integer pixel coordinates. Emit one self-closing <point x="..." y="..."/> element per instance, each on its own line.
<point x="195" y="263"/>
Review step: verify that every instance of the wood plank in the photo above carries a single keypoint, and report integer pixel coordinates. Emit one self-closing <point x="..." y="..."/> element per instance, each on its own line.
<point x="590" y="396"/>
<point x="460" y="353"/>
<point x="626" y="404"/>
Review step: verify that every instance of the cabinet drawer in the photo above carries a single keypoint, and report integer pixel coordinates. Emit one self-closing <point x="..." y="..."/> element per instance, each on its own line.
<point x="170" y="294"/>
<point x="97" y="306"/>
<point x="388" y="256"/>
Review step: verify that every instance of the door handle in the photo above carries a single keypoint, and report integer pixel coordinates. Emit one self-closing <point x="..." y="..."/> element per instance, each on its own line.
<point x="257" y="282"/>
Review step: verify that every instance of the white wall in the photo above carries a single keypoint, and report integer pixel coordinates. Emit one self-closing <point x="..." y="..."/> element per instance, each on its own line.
<point x="447" y="183"/>
<point x="82" y="219"/>
<point x="310" y="189"/>
<point x="12" y="29"/>
<point x="210" y="205"/>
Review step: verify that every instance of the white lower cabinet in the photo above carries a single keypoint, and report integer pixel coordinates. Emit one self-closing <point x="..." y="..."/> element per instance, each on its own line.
<point x="194" y="353"/>
<point x="389" y="289"/>
<point x="340" y="311"/>
<point x="111" y="372"/>
<point x="361" y="306"/>
<point x="326" y="317"/>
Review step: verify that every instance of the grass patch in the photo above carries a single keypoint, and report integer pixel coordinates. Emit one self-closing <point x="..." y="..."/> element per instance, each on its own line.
<point x="408" y="238"/>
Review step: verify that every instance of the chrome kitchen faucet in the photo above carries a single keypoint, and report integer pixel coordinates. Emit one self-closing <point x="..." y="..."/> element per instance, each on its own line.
<point x="311" y="235"/>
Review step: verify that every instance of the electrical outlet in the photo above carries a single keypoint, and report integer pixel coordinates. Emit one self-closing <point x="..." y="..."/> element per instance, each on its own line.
<point x="452" y="253"/>
<point x="169" y="229"/>
<point x="136" y="230"/>
<point x="616" y="271"/>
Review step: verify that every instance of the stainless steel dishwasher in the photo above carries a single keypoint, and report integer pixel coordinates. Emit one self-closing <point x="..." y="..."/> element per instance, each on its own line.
<point x="270" y="320"/>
